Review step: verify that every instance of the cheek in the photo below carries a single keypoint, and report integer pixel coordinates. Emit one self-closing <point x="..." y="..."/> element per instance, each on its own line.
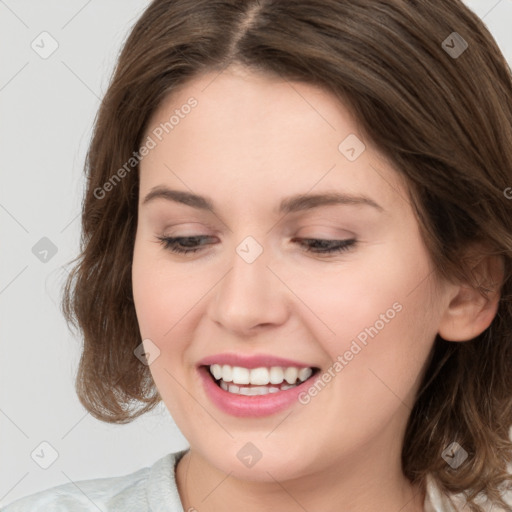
<point x="162" y="293"/>
<point x="168" y="304"/>
<point x="383" y="285"/>
<point x="162" y="300"/>
<point x="375" y="316"/>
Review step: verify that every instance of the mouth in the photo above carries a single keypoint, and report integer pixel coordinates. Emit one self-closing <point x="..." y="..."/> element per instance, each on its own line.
<point x="238" y="380"/>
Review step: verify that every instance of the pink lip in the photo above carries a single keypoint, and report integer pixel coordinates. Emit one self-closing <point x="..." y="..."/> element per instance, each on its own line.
<point x="251" y="406"/>
<point x="255" y="361"/>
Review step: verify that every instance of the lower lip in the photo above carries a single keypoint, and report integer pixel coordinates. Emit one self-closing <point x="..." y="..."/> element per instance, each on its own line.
<point x="257" y="405"/>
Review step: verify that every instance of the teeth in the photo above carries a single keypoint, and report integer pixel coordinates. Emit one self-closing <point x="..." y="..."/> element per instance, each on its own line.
<point x="305" y="373"/>
<point x="216" y="370"/>
<point x="227" y="373"/>
<point x="291" y="374"/>
<point x="233" y="388"/>
<point x="276" y="375"/>
<point x="252" y="391"/>
<point x="260" y="376"/>
<point x="240" y="375"/>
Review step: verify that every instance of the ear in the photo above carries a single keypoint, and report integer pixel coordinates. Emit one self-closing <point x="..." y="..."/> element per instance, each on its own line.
<point x="469" y="313"/>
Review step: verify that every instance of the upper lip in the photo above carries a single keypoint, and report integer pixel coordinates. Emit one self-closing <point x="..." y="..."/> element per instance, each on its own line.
<point x="252" y="361"/>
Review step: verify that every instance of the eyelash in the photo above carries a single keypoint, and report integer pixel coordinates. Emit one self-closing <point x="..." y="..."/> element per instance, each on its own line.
<point x="171" y="244"/>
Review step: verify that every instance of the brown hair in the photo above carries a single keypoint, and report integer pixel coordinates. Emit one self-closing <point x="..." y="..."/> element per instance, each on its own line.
<point x="443" y="120"/>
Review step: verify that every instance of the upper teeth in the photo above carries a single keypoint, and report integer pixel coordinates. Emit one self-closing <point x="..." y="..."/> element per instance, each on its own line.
<point x="260" y="376"/>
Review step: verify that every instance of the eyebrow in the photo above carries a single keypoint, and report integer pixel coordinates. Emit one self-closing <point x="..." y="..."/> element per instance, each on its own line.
<point x="298" y="202"/>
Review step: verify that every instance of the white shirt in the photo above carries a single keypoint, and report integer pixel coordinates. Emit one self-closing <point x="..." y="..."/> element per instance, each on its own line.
<point x="150" y="489"/>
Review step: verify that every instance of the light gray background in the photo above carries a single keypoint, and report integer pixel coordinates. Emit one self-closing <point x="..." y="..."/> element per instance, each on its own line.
<point x="47" y="108"/>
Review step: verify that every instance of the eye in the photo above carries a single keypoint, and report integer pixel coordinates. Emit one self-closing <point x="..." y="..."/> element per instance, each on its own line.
<point x="172" y="243"/>
<point x="321" y="246"/>
<point x="188" y="244"/>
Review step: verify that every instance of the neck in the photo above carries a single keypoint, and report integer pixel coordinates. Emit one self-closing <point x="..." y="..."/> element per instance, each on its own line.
<point x="205" y="488"/>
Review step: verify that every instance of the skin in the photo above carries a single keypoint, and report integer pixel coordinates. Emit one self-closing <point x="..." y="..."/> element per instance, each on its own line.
<point x="249" y="142"/>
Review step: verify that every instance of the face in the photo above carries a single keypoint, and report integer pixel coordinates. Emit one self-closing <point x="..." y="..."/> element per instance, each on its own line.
<point x="259" y="294"/>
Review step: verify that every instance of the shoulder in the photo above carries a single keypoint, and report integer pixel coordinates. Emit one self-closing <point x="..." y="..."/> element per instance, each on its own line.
<point x="87" y="495"/>
<point x="134" y="492"/>
<point x="438" y="501"/>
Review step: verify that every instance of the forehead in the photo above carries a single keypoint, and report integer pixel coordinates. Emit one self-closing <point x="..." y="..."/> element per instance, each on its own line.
<point x="244" y="102"/>
<point x="251" y="135"/>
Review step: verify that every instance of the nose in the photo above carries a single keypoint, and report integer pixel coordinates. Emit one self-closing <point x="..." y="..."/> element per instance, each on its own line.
<point x="250" y="297"/>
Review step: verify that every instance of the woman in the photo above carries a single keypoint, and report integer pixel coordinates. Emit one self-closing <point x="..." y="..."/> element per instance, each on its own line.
<point x="298" y="236"/>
